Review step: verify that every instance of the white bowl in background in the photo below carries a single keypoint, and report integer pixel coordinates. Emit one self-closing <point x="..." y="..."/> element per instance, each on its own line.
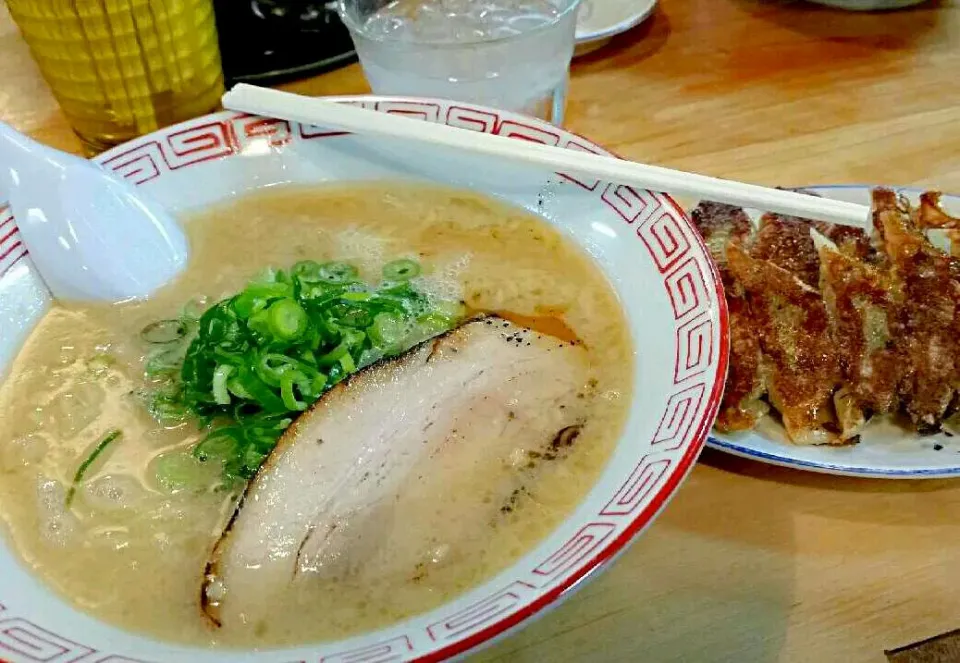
<point x="869" y="5"/>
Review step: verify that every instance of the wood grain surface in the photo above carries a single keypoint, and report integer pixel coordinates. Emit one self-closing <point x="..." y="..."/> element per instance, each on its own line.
<point x="749" y="562"/>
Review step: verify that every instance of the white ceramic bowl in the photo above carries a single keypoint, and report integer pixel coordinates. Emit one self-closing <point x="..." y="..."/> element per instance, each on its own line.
<point x="643" y="241"/>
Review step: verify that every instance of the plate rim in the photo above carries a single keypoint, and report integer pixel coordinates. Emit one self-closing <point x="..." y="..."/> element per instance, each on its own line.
<point x="837" y="469"/>
<point x="631" y="21"/>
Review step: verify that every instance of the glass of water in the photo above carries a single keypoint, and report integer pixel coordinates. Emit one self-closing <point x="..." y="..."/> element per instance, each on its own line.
<point x="509" y="54"/>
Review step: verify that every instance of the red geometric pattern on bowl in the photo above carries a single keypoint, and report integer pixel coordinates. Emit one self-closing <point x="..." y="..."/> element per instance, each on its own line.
<point x="632" y="494"/>
<point x="665" y="240"/>
<point x="429" y="112"/>
<point x="679" y="417"/>
<point x="632" y="205"/>
<point x="696" y="301"/>
<point x="582" y="146"/>
<point x="22" y="638"/>
<point x="483" y="612"/>
<point x="688" y="291"/>
<point x="580" y="547"/>
<point x="695" y="348"/>
<point x="388" y="651"/>
<point x="11" y="247"/>
<point x="276" y="132"/>
<point x="29" y="642"/>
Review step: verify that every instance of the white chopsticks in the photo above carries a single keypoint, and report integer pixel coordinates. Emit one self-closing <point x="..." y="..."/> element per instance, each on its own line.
<point x="318" y="111"/>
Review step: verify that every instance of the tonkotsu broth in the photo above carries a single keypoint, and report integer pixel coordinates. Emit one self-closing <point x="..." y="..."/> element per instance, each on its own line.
<point x="134" y="555"/>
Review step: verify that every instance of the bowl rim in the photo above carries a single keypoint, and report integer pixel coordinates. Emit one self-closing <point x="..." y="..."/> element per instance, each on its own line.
<point x="695" y="437"/>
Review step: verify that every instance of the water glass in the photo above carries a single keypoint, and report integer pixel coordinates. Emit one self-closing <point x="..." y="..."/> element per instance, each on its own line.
<point x="509" y="54"/>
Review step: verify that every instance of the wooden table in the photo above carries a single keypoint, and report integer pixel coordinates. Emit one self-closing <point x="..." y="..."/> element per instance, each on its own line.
<point x="749" y="562"/>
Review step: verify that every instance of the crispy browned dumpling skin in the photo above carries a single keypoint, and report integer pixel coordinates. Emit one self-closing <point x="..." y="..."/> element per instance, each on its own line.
<point x="850" y="241"/>
<point x="803" y="365"/>
<point x="929" y="319"/>
<point x="720" y="224"/>
<point x="931" y="215"/>
<point x="742" y="406"/>
<point x="863" y="302"/>
<point x="834" y="332"/>
<point x="786" y="242"/>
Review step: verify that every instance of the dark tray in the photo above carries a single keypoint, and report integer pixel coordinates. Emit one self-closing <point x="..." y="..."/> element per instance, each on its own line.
<point x="273" y="41"/>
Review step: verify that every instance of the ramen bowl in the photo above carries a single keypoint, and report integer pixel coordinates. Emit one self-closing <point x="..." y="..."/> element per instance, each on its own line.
<point x="641" y="240"/>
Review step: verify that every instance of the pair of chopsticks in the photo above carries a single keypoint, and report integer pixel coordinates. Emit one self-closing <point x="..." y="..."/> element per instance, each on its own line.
<point x="318" y="111"/>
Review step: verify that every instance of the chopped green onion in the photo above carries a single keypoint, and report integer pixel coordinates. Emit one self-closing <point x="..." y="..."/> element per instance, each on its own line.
<point x="288" y="320"/>
<point x="450" y="310"/>
<point x="164" y="331"/>
<point x="250" y="363"/>
<point x="337" y="272"/>
<point x="177" y="471"/>
<point x="236" y="388"/>
<point x="307" y="271"/>
<point x="401" y="270"/>
<point x="164" y="360"/>
<point x="335" y="374"/>
<point x="318" y="383"/>
<point x="220" y="394"/>
<point x="356" y="316"/>
<point x="334" y="355"/>
<point x="192" y="310"/>
<point x="286" y="393"/>
<point x="221" y="443"/>
<point x="85" y="465"/>
<point x="259" y="322"/>
<point x="388" y="329"/>
<point x="369" y="356"/>
<point x="273" y="365"/>
<point x="433" y="323"/>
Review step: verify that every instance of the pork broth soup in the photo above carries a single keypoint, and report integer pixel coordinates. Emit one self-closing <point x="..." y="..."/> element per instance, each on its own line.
<point x="100" y="476"/>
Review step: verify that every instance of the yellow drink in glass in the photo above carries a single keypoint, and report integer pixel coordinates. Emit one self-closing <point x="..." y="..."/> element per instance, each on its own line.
<point x="122" y="68"/>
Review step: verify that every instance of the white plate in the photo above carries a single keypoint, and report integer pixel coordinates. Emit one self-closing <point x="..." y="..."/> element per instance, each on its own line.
<point x="599" y="20"/>
<point x="655" y="261"/>
<point x="885" y="451"/>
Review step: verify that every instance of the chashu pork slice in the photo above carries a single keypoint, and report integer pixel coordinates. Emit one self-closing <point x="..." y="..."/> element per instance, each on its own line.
<point x="420" y="450"/>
